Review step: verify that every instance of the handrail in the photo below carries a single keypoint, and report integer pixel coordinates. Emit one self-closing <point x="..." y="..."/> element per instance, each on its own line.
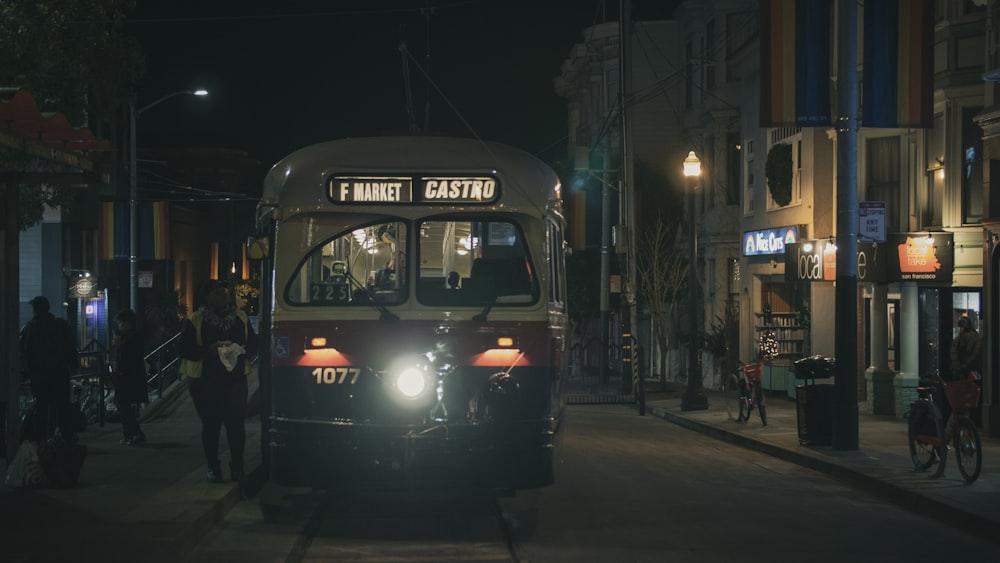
<point x="156" y="356"/>
<point x="164" y="345"/>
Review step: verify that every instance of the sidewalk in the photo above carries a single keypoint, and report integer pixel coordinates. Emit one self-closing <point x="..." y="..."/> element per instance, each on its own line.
<point x="142" y="503"/>
<point x="880" y="465"/>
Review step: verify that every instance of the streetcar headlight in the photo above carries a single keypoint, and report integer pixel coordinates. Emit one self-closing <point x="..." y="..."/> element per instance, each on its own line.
<point x="411" y="382"/>
<point x="411" y="377"/>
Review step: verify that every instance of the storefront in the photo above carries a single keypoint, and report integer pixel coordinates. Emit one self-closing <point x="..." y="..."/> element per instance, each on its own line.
<point x="907" y="309"/>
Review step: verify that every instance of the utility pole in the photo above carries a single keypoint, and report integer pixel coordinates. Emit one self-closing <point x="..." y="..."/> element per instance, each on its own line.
<point x="628" y="196"/>
<point x="605" y="270"/>
<point x="845" y="398"/>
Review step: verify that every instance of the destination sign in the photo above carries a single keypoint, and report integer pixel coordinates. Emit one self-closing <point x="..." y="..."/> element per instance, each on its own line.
<point x="422" y="189"/>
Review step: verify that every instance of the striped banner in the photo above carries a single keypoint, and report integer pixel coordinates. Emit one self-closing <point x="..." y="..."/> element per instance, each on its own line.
<point x="898" y="84"/>
<point x="583" y="218"/>
<point x="153" y="218"/>
<point x="795" y="63"/>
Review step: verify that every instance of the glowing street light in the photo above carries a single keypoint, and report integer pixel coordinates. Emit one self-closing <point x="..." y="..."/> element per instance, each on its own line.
<point x="693" y="398"/>
<point x="133" y="242"/>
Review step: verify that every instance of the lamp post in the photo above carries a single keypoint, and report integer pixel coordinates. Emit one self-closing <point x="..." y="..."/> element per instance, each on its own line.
<point x="693" y="398"/>
<point x="133" y="242"/>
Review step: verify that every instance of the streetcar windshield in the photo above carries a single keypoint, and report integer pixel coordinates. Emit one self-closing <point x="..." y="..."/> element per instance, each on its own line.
<point x="474" y="262"/>
<point x="477" y="262"/>
<point x="360" y="267"/>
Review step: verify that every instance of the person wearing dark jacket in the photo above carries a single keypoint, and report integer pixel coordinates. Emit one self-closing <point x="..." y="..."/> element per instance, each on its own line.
<point x="215" y="347"/>
<point x="129" y="376"/>
<point x="49" y="357"/>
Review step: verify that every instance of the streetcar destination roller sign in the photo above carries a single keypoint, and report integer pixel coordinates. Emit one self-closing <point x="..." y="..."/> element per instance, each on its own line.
<point x="362" y="189"/>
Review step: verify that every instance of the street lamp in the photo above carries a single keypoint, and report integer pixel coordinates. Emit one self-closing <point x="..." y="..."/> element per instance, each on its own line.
<point x="693" y="398"/>
<point x="133" y="242"/>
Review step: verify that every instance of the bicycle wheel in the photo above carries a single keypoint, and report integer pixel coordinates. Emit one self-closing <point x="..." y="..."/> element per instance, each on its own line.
<point x="968" y="452"/>
<point x="925" y="431"/>
<point x="744" y="408"/>
<point x="759" y="400"/>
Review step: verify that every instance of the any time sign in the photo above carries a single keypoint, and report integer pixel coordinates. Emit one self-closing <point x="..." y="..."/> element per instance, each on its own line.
<point x="871" y="216"/>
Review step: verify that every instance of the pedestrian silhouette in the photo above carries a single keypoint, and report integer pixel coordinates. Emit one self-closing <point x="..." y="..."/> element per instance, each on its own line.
<point x="49" y="357"/>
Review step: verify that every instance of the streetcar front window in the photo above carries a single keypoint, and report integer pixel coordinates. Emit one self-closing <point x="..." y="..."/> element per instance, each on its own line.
<point x="360" y="267"/>
<point x="474" y="263"/>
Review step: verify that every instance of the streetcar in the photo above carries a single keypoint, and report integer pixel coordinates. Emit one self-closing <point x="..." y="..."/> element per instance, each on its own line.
<point x="414" y="307"/>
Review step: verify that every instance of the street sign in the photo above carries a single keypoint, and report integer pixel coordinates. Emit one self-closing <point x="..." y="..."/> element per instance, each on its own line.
<point x="615" y="284"/>
<point x="146" y="278"/>
<point x="871" y="218"/>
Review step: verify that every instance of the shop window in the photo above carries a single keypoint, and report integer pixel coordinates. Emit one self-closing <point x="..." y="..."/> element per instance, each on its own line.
<point x="972" y="167"/>
<point x="882" y="176"/>
<point x="778" y="319"/>
<point x="932" y="198"/>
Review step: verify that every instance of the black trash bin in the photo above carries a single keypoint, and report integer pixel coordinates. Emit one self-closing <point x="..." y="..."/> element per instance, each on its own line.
<point x="814" y="403"/>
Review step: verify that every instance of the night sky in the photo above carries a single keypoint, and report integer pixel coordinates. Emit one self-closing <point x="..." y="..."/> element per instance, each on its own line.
<point x="283" y="75"/>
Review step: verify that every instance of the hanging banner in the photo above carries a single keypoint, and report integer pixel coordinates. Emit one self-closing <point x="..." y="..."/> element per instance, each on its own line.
<point x="795" y="63"/>
<point x="898" y="85"/>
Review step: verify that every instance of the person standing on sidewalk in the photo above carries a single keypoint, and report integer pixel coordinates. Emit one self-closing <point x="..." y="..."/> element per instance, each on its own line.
<point x="966" y="350"/>
<point x="49" y="357"/>
<point x="129" y="376"/>
<point x="215" y="347"/>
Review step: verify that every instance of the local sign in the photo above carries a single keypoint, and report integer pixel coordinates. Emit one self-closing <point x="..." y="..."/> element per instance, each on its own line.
<point x="816" y="260"/>
<point x="904" y="257"/>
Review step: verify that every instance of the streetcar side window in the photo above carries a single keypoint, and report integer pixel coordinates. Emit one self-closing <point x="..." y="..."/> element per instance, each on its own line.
<point x="357" y="267"/>
<point x="474" y="263"/>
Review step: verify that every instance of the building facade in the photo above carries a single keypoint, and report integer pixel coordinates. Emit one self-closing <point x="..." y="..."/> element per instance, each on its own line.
<point x="927" y="225"/>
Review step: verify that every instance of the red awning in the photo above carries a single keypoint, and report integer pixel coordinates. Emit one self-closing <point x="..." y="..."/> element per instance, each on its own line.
<point x="20" y="116"/>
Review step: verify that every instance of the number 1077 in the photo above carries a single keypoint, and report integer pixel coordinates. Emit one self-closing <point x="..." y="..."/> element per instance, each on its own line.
<point x="336" y="376"/>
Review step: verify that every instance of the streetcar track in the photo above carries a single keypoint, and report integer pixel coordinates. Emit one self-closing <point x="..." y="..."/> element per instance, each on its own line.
<point x="410" y="514"/>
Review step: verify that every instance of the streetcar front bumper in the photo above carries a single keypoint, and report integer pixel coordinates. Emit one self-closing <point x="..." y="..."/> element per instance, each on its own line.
<point x="332" y="455"/>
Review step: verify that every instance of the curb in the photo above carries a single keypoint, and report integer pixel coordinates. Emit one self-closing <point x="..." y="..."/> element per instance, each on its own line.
<point x="899" y="496"/>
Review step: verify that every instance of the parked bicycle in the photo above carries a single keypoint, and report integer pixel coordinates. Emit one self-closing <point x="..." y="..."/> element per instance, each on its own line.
<point x="930" y="434"/>
<point x="750" y="391"/>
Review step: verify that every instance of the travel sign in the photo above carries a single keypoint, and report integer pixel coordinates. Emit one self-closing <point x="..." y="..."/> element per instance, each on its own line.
<point x="769" y="241"/>
<point x="388" y="190"/>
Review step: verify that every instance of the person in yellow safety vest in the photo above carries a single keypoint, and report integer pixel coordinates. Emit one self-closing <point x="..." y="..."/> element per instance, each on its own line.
<point x="216" y="345"/>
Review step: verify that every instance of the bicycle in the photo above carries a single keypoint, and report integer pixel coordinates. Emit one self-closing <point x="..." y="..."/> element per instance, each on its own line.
<point x="930" y="435"/>
<point x="750" y="392"/>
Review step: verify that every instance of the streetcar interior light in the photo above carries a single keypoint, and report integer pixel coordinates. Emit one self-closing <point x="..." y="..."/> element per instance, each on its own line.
<point x="318" y="342"/>
<point x="411" y="382"/>
<point x="505" y="342"/>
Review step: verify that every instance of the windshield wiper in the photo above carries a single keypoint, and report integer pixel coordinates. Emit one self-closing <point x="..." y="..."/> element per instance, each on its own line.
<point x="486" y="310"/>
<point x="386" y="314"/>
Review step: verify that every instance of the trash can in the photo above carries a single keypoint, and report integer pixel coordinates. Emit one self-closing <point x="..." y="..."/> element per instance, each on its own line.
<point x="814" y="403"/>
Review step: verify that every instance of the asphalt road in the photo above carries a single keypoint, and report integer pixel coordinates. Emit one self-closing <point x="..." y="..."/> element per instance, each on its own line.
<point x="628" y="488"/>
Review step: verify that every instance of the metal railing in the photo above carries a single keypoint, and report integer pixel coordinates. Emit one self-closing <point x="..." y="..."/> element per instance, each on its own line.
<point x="92" y="389"/>
<point x="163" y="366"/>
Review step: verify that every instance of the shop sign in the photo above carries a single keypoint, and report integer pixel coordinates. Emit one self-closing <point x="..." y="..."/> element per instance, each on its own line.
<point x="769" y="241"/>
<point x="82" y="289"/>
<point x="816" y="260"/>
<point x="927" y="257"/>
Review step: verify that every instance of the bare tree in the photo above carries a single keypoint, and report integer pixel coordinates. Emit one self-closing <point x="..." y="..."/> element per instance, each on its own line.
<point x="662" y="272"/>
